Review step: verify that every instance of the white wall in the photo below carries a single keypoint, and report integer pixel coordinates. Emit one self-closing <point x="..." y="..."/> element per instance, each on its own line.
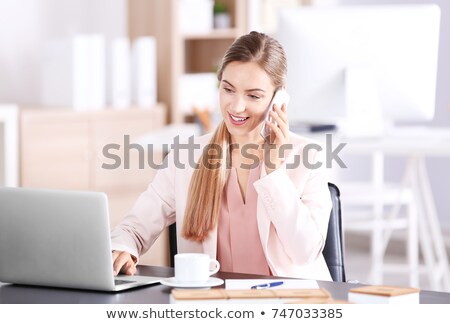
<point x="20" y="32"/>
<point x="25" y="27"/>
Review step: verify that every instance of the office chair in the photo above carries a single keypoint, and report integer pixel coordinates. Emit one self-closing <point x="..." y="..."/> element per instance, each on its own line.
<point x="333" y="251"/>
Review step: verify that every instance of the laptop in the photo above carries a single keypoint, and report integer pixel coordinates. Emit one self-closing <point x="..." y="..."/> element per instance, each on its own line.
<point x="59" y="238"/>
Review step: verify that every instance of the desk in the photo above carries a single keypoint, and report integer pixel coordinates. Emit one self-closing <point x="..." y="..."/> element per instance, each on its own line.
<point x="156" y="294"/>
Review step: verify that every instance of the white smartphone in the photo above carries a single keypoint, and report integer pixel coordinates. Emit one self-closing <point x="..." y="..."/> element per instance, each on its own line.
<point x="280" y="97"/>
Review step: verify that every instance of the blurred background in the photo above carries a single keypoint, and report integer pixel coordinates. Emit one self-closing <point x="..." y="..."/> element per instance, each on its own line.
<point x="76" y="76"/>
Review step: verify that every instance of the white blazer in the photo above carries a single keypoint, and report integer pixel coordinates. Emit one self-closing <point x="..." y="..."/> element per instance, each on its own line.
<point x="293" y="209"/>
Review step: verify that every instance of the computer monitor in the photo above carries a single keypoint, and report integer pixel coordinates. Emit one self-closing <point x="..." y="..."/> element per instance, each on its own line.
<point x="387" y="55"/>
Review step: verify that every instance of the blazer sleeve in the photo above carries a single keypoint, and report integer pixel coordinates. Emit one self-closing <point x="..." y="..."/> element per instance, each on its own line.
<point x="152" y="212"/>
<point x="299" y="212"/>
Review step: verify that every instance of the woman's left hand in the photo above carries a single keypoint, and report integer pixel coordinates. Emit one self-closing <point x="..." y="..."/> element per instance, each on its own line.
<point x="279" y="137"/>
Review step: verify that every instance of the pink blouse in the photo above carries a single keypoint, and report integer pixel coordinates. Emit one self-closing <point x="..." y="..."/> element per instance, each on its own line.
<point x="239" y="246"/>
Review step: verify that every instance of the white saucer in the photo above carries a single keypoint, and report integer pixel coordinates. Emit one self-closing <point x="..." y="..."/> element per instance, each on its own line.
<point x="211" y="282"/>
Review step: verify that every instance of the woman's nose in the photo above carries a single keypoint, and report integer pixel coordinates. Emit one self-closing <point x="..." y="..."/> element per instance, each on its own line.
<point x="238" y="105"/>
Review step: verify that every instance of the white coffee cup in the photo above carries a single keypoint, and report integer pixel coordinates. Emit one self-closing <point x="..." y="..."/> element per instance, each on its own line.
<point x="194" y="267"/>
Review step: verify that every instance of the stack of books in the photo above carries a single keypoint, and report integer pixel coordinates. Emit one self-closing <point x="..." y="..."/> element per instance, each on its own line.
<point x="384" y="295"/>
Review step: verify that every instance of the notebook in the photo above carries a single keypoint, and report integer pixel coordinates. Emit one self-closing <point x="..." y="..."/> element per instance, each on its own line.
<point x="59" y="238"/>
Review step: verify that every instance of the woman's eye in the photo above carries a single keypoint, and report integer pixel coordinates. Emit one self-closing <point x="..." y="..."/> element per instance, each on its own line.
<point x="227" y="90"/>
<point x="254" y="97"/>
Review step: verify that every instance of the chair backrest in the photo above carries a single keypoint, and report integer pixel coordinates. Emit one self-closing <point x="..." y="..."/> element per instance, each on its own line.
<point x="333" y="251"/>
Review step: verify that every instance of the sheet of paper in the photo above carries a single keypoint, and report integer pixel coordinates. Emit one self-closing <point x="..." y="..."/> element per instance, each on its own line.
<point x="287" y="283"/>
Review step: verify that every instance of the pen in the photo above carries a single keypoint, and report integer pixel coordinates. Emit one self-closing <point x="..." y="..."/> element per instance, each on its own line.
<point x="268" y="285"/>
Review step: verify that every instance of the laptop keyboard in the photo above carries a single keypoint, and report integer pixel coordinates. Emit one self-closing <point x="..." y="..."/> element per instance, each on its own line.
<point x="118" y="282"/>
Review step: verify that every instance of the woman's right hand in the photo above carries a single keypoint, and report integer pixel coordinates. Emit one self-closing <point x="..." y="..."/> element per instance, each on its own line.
<point x="123" y="262"/>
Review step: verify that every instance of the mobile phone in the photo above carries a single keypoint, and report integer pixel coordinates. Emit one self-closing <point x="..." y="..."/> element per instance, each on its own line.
<point x="279" y="98"/>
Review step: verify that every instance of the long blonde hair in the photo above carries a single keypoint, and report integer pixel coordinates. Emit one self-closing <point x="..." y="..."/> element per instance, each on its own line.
<point x="207" y="183"/>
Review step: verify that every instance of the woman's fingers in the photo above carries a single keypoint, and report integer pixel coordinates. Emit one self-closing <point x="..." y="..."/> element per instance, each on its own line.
<point x="277" y="136"/>
<point x="123" y="263"/>
<point x="280" y="117"/>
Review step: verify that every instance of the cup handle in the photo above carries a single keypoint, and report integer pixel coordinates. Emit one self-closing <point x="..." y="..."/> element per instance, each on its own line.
<point x="211" y="272"/>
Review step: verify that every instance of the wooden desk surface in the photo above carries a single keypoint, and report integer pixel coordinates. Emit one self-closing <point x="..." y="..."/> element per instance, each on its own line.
<point x="155" y="294"/>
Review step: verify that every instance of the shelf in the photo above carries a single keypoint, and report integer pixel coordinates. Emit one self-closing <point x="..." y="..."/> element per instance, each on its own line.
<point x="229" y="33"/>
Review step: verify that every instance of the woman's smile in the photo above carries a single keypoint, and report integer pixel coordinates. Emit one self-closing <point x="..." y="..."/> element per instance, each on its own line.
<point x="238" y="120"/>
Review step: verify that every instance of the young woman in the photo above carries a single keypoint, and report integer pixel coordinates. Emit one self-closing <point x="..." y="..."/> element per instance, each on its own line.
<point x="257" y="206"/>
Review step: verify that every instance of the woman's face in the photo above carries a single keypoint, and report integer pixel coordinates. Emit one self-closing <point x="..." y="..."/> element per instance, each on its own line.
<point x="245" y="93"/>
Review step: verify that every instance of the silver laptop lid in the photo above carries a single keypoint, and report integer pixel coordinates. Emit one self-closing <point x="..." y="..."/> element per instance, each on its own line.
<point x="55" y="238"/>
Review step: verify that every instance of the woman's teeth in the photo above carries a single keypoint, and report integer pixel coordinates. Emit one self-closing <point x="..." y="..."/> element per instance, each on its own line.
<point x="238" y="119"/>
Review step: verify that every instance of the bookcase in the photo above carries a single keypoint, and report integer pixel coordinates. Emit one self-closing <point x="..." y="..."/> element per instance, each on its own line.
<point x="179" y="52"/>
